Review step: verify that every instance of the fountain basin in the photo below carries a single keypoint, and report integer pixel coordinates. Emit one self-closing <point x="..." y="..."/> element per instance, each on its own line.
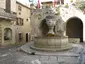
<point x="51" y="43"/>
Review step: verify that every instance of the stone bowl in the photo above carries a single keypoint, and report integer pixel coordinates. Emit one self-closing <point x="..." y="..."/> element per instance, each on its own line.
<point x="51" y="43"/>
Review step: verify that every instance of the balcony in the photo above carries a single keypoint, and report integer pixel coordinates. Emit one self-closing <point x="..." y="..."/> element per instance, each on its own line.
<point x="6" y="15"/>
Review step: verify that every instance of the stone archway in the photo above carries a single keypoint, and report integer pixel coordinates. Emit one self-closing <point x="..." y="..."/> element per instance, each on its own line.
<point x="74" y="28"/>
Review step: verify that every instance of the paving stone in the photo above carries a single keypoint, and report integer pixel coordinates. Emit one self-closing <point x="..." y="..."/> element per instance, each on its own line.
<point x="16" y="57"/>
<point x="53" y="58"/>
<point x="44" y="58"/>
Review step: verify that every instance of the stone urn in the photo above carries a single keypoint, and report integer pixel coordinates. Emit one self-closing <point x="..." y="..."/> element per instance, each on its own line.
<point x="50" y="23"/>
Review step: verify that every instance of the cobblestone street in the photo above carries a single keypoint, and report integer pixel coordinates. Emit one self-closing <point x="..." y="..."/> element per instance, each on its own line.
<point x="10" y="55"/>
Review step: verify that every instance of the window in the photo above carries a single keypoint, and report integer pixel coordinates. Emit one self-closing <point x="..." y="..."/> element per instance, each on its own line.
<point x="19" y="8"/>
<point x="20" y="36"/>
<point x="19" y="13"/>
<point x="19" y="21"/>
<point x="47" y="6"/>
<point x="58" y="1"/>
<point x="62" y="1"/>
<point x="26" y="19"/>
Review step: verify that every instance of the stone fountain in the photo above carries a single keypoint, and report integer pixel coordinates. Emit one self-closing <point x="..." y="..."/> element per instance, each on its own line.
<point x="51" y="33"/>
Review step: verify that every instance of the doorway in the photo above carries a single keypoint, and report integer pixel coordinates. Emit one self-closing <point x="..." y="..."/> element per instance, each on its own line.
<point x="27" y="38"/>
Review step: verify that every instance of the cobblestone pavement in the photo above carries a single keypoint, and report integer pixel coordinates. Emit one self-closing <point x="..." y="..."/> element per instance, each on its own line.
<point x="10" y="55"/>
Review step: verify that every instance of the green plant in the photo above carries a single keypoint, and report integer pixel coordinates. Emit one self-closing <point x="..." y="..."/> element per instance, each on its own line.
<point x="81" y="5"/>
<point x="71" y="0"/>
<point x="66" y="5"/>
<point x="58" y="10"/>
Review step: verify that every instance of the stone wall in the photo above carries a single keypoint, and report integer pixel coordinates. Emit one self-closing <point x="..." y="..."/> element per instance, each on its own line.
<point x="70" y="12"/>
<point x="74" y="40"/>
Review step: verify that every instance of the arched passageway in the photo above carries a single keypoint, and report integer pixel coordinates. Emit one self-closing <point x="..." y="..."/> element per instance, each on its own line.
<point x="74" y="28"/>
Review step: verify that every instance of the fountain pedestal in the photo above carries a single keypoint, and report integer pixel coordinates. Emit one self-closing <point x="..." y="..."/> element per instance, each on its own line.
<point x="51" y="43"/>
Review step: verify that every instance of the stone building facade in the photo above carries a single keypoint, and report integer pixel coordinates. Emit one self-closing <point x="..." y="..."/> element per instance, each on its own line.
<point x="14" y="22"/>
<point x="23" y="27"/>
<point x="7" y="19"/>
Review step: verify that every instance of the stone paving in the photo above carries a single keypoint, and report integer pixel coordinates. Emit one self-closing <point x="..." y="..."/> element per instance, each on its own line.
<point x="12" y="56"/>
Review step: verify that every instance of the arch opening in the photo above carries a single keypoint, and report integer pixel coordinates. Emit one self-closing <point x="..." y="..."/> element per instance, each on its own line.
<point x="7" y="34"/>
<point x="74" y="28"/>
